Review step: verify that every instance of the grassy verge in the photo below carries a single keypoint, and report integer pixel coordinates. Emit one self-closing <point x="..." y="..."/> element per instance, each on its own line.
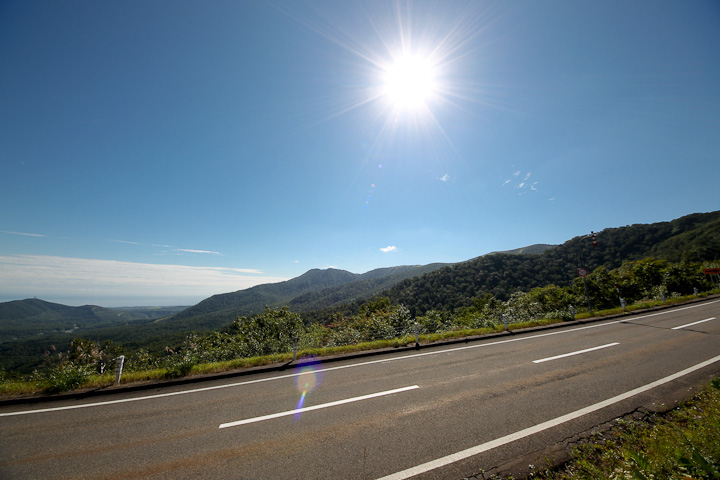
<point x="683" y="444"/>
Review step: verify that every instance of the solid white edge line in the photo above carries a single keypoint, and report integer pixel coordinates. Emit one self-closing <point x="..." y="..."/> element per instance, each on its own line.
<point x="455" y="457"/>
<point x="575" y="353"/>
<point x="317" y="407"/>
<point x="694" y="323"/>
<point x="361" y="364"/>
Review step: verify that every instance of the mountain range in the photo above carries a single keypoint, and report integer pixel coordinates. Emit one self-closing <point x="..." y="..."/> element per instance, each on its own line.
<point x="319" y="294"/>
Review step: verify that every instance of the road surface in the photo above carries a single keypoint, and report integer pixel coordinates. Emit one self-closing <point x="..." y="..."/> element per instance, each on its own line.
<point x="441" y="412"/>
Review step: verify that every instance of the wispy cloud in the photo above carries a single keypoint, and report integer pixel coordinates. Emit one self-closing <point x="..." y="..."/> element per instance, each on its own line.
<point x="23" y="233"/>
<point x="189" y="250"/>
<point x="125" y="241"/>
<point x="23" y="276"/>
<point x="389" y="248"/>
<point x="523" y="184"/>
<point x="172" y="250"/>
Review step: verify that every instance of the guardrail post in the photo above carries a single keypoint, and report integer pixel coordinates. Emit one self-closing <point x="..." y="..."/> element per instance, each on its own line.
<point x="417" y="341"/>
<point x="572" y="312"/>
<point x="505" y="321"/>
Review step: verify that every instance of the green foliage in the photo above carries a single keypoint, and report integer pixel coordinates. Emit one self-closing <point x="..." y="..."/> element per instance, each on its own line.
<point x="62" y="378"/>
<point x="435" y="321"/>
<point x="683" y="445"/>
<point x="522" y="307"/>
<point x="637" y="280"/>
<point x="180" y="368"/>
<point x="271" y="332"/>
<point x="551" y="297"/>
<point x="378" y="321"/>
<point x="697" y="464"/>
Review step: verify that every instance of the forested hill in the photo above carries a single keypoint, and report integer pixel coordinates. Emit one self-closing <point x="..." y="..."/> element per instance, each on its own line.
<point x="313" y="290"/>
<point x="254" y="299"/>
<point x="32" y="317"/>
<point x="693" y="238"/>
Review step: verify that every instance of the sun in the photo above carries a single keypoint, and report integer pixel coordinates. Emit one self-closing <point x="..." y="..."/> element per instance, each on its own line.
<point x="409" y="82"/>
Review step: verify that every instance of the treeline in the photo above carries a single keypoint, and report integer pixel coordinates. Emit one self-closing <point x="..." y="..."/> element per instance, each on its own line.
<point x="690" y="239"/>
<point x="279" y="330"/>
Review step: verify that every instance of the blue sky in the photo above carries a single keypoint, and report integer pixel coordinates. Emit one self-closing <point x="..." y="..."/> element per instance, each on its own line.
<point x="157" y="153"/>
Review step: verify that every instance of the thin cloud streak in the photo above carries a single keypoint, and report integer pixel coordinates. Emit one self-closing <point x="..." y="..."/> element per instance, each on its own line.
<point x="23" y="276"/>
<point x="190" y="250"/>
<point x="24" y="234"/>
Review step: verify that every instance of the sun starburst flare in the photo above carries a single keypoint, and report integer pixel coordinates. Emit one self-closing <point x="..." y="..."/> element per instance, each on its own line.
<point x="409" y="82"/>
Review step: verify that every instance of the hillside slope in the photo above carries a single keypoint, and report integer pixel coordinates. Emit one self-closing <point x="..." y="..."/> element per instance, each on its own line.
<point x="693" y="238"/>
<point x="30" y="318"/>
<point x="313" y="290"/>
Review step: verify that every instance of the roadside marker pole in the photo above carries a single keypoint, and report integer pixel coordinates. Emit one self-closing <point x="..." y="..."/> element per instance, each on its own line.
<point x="119" y="361"/>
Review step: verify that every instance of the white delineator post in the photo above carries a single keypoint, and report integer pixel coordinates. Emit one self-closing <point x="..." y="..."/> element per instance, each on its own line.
<point x="119" y="361"/>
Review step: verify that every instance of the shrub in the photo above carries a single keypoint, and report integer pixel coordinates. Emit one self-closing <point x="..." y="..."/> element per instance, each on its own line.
<point x="63" y="378"/>
<point x="179" y="369"/>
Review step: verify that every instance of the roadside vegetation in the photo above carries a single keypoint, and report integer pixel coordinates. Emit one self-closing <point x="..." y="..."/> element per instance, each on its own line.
<point x="682" y="444"/>
<point x="278" y="335"/>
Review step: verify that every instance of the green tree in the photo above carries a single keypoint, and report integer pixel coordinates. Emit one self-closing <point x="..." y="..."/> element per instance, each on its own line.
<point x="551" y="297"/>
<point x="271" y="332"/>
<point x="435" y="321"/>
<point x="681" y="278"/>
<point x="522" y="307"/>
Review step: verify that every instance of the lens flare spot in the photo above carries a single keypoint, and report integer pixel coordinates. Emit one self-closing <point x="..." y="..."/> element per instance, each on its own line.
<point x="306" y="380"/>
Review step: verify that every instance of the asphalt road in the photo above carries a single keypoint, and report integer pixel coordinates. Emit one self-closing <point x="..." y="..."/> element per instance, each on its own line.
<point x="442" y="412"/>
